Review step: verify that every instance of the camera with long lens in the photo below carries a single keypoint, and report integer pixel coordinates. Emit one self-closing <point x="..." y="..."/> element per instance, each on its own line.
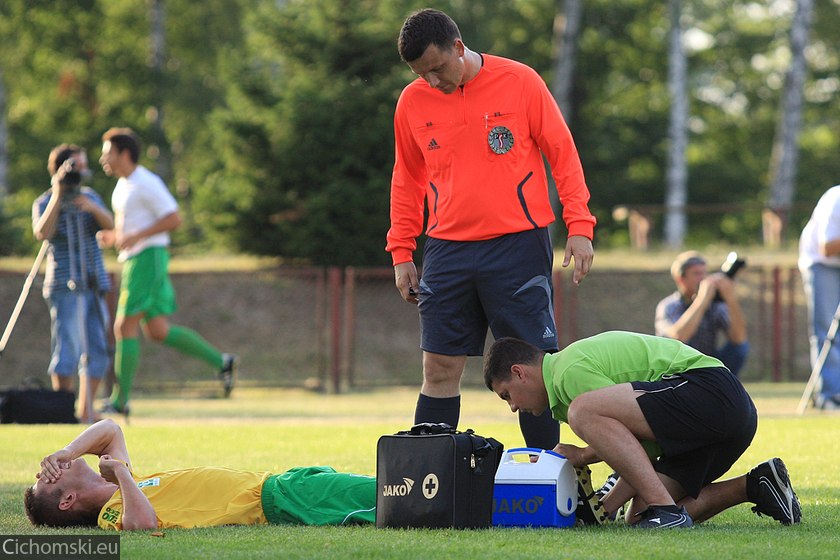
<point x="732" y="264"/>
<point x="72" y="180"/>
<point x="730" y="268"/>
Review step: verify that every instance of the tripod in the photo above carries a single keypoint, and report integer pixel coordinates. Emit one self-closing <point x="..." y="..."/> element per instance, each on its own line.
<point x="85" y="289"/>
<point x="820" y="362"/>
<point x="79" y="285"/>
<point x="24" y="293"/>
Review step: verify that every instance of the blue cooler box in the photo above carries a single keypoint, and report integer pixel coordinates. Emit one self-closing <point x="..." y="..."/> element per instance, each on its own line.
<point x="534" y="488"/>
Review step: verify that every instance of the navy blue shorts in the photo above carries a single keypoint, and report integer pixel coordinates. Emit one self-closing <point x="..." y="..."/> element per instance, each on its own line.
<point x="703" y="420"/>
<point x="502" y="283"/>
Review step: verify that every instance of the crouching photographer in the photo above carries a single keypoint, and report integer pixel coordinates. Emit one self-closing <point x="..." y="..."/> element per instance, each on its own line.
<point x="705" y="308"/>
<point x="66" y="218"/>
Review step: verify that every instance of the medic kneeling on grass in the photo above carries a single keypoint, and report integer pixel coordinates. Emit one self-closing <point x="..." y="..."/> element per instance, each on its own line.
<point x="68" y="492"/>
<point x="668" y="419"/>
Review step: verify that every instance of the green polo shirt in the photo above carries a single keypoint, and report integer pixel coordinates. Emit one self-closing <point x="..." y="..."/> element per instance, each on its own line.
<point x="612" y="358"/>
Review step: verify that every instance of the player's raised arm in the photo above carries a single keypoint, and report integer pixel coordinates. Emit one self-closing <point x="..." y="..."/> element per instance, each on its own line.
<point x="102" y="438"/>
<point x="138" y="513"/>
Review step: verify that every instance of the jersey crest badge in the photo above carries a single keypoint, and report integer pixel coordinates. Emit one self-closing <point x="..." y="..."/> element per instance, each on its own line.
<point x="500" y="139"/>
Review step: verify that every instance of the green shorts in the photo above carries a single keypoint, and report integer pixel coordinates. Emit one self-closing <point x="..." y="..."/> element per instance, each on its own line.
<point x="319" y="496"/>
<point x="145" y="287"/>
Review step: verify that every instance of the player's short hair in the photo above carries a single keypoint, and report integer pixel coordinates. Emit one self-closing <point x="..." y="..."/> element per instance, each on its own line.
<point x="424" y="28"/>
<point x="685" y="260"/>
<point x="124" y="139"/>
<point x="504" y="354"/>
<point x="60" y="154"/>
<point x="42" y="510"/>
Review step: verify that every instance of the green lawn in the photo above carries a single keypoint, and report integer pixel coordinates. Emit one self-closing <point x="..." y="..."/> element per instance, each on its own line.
<point x="276" y="429"/>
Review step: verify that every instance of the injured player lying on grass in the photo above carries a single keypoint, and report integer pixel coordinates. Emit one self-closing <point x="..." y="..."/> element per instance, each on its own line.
<point x="68" y="492"/>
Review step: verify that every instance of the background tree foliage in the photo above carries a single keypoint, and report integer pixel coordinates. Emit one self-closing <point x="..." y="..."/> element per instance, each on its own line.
<point x="277" y="116"/>
<point x="737" y="55"/>
<point x="74" y="68"/>
<point x="303" y="134"/>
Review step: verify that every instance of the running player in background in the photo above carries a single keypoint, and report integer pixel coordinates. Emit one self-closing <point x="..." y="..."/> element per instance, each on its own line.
<point x="145" y="212"/>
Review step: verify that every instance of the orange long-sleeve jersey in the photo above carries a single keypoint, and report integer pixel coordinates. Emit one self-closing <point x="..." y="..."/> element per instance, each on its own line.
<point x="475" y="157"/>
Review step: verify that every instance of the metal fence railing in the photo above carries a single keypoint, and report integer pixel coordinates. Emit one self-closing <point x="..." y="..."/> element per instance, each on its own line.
<point x="338" y="328"/>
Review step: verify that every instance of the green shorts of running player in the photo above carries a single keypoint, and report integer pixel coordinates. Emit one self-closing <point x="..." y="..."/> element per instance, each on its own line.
<point x="319" y="496"/>
<point x="145" y="287"/>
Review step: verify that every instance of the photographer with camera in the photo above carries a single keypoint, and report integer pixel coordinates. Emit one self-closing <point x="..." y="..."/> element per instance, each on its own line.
<point x="703" y="306"/>
<point x="67" y="218"/>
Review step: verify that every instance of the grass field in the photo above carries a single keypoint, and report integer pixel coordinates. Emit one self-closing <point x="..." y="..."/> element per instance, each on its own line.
<point x="276" y="429"/>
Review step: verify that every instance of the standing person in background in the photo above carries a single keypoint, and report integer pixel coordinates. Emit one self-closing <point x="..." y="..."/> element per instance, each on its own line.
<point x="703" y="306"/>
<point x="819" y="264"/>
<point x="67" y="217"/>
<point x="470" y="134"/>
<point x="145" y="214"/>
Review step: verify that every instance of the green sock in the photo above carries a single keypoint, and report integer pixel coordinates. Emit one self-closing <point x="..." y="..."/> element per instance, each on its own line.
<point x="126" y="357"/>
<point x="190" y="342"/>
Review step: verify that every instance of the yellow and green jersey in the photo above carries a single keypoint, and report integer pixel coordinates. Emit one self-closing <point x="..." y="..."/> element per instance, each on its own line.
<point x="196" y="497"/>
<point x="213" y="496"/>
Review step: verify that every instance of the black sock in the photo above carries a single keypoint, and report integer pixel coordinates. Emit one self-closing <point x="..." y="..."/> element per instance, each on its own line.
<point x="542" y="432"/>
<point x="435" y="410"/>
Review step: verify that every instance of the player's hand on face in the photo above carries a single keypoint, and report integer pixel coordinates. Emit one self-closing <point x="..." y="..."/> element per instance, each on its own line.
<point x="108" y="468"/>
<point x="53" y="464"/>
<point x="580" y="248"/>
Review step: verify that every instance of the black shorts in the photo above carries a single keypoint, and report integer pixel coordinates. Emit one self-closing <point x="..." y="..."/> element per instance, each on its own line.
<point x="503" y="283"/>
<point x="703" y="420"/>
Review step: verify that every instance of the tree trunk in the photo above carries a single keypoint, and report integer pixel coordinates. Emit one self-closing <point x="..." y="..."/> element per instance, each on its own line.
<point x="785" y="154"/>
<point x="566" y="29"/>
<point x="4" y="143"/>
<point x="676" y="187"/>
<point x="157" y="17"/>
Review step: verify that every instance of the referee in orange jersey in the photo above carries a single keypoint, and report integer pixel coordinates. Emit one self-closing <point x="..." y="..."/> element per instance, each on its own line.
<point x="471" y="132"/>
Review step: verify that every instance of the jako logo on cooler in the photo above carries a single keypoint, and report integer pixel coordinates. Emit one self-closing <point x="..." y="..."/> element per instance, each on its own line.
<point x="403" y="489"/>
<point x="518" y="505"/>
